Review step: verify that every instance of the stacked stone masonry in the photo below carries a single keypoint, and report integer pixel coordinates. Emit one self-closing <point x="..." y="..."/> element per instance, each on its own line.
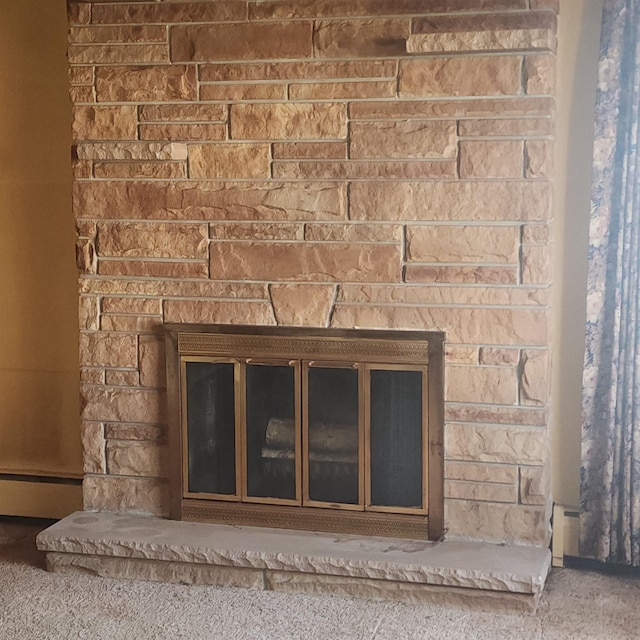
<point x="326" y="163"/>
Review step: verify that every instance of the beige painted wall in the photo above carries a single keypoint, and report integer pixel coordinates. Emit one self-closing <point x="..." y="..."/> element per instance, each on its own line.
<point x="578" y="34"/>
<point x="39" y="426"/>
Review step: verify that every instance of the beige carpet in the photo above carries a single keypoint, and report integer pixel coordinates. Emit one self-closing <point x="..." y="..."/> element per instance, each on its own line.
<point x="36" y="605"/>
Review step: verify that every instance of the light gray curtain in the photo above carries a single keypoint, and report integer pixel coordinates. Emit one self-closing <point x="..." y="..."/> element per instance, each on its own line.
<point x="610" y="474"/>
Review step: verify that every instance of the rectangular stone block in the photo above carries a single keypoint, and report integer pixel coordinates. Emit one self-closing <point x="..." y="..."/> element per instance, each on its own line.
<point x="243" y="91"/>
<point x="81" y="75"/>
<point x="81" y="94"/>
<point x="183" y="113"/>
<point x="156" y="83"/>
<point x="499" y="357"/>
<point x="152" y="361"/>
<point x="104" y="123"/>
<point x="240" y="41"/>
<point x="145" y="496"/>
<point x="121" y="378"/>
<point x="161" y="13"/>
<point x="534" y="377"/>
<point x="229" y="161"/>
<point x="481" y="472"/>
<point x="122" y="33"/>
<point x="539" y="73"/>
<point x="342" y="90"/>
<point x="360" y="38"/>
<point x="131" y="151"/>
<point x="108" y="350"/>
<point x="302" y="305"/>
<point x="536" y="233"/>
<point x="538" y="159"/>
<point x="535" y="485"/>
<point x="122" y="405"/>
<point x="130" y="324"/>
<point x="461" y="274"/>
<point x="536" y="264"/>
<point x="486" y="385"/>
<point x="118" y="54"/>
<point x="78" y="13"/>
<point x="517" y="127"/>
<point x="256" y="231"/>
<point x="482" y="491"/>
<point x="123" y="431"/>
<point x="88" y="313"/>
<point x="141" y="170"/>
<point x="435" y="139"/>
<point x="491" y="159"/>
<point x="152" y="240"/>
<point x="460" y="76"/>
<point x="91" y="375"/>
<point x="152" y="269"/>
<point x="93" y="447"/>
<point x="352" y="232"/>
<point x="219" y="312"/>
<point x="183" y="131"/>
<point x="489" y="40"/>
<point x="496" y="415"/>
<point x="457" y="354"/>
<point x="324" y="262"/>
<point x="310" y="150"/>
<point x="136" y="458"/>
<point x="293" y="121"/>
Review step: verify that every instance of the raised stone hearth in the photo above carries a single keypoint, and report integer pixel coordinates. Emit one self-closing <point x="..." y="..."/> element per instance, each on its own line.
<point x="506" y="577"/>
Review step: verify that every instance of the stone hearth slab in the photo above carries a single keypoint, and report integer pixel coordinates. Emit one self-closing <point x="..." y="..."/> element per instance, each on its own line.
<point x="149" y="548"/>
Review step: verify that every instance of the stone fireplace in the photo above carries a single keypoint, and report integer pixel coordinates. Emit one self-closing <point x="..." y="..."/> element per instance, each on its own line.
<point x="360" y="164"/>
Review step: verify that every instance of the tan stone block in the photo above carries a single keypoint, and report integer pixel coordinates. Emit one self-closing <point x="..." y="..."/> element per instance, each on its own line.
<point x="256" y="231"/>
<point x="146" y="83"/>
<point x="496" y="415"/>
<point x="534" y="378"/>
<point x="462" y="243"/>
<point x="122" y="378"/>
<point x="446" y="201"/>
<point x="88" y="313"/>
<point x="481" y="472"/>
<point x="342" y="90"/>
<point x="86" y="256"/>
<point x="536" y="234"/>
<point x="130" y="324"/>
<point x="243" y="91"/>
<point x="154" y="170"/>
<point x="152" y="240"/>
<point x="82" y="169"/>
<point x="183" y="113"/>
<point x="283" y="120"/>
<point x="536" y="264"/>
<point x="460" y="76"/>
<point x="152" y="361"/>
<point x="153" y="269"/>
<point x="93" y="447"/>
<point x="219" y="312"/>
<point x="81" y="94"/>
<point x="360" y="38"/>
<point x="485" y="491"/>
<point x="136" y="458"/>
<point x="494" y="40"/>
<point x="488" y="385"/>
<point x="506" y="127"/>
<point x="457" y="354"/>
<point x="411" y="139"/>
<point x="104" y="123"/>
<point x="553" y="5"/>
<point x="81" y="75"/>
<point x="122" y="431"/>
<point x="123" y="405"/>
<point x="78" y="13"/>
<point x="535" y="485"/>
<point x="310" y="150"/>
<point x="126" y="495"/>
<point x="511" y="445"/>
<point x="304" y="305"/>
<point x="241" y="41"/>
<point x="168" y="131"/>
<point x="114" y="34"/>
<point x="352" y="232"/>
<point x="300" y="70"/>
<point x="305" y="262"/>
<point x="499" y="357"/>
<point x="462" y="325"/>
<point x="491" y="159"/>
<point x="110" y="350"/>
<point x="497" y="522"/>
<point x="132" y="151"/>
<point x="220" y="161"/>
<point x="173" y="12"/>
<point x="118" y="54"/>
<point x="538" y="159"/>
<point x="91" y="375"/>
<point x="460" y="274"/>
<point x="539" y="73"/>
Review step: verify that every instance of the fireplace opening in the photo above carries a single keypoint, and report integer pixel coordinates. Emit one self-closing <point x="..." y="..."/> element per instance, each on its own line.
<point x="307" y="429"/>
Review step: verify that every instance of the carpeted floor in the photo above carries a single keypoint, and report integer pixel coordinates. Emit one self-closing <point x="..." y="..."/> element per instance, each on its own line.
<point x="38" y="605"/>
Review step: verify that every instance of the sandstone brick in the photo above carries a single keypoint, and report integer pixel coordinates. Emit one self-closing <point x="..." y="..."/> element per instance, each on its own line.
<point x="104" y="123"/>
<point x="183" y="131"/>
<point x="294" y="121"/>
<point x="156" y="170"/>
<point x="78" y="13"/>
<point x="305" y="305"/>
<point x="123" y="405"/>
<point x="81" y="75"/>
<point x="460" y="274"/>
<point x="241" y="41"/>
<point x="221" y="161"/>
<point x="91" y="375"/>
<point x="352" y="232"/>
<point x="460" y="76"/>
<point x="462" y="243"/>
<point x="496" y="415"/>
<point x="256" y="231"/>
<point x="153" y="269"/>
<point x="519" y="127"/>
<point x="146" y="496"/>
<point x="299" y="70"/>
<point x="483" y="491"/>
<point x="512" y="445"/>
<point x="360" y="38"/>
<point x="534" y="485"/>
<point x="342" y="90"/>
<point x="310" y="150"/>
<point x="498" y="357"/>
<point x="538" y="159"/>
<point x="219" y="312"/>
<point x="110" y="350"/>
<point x="429" y="139"/>
<point x="146" y="83"/>
<point x="462" y="325"/>
<point x="88" y="313"/>
<point x="339" y="262"/>
<point x="183" y="113"/>
<point x="493" y="40"/>
<point x="491" y="159"/>
<point x="152" y="361"/>
<point x="136" y="458"/>
<point x="81" y="94"/>
<point x="138" y="306"/>
<point x="457" y="354"/>
<point x="172" y="12"/>
<point x="93" y="447"/>
<point x="130" y="324"/>
<point x="117" y="34"/>
<point x="539" y="73"/>
<point x="536" y="234"/>
<point x="534" y="378"/>
<point x="152" y="240"/>
<point x="86" y="228"/>
<point x="536" y="264"/>
<point x="251" y="91"/>
<point x="497" y="522"/>
<point x="121" y="378"/>
<point x="120" y="431"/>
<point x="132" y="151"/>
<point x="118" y="54"/>
<point x="464" y="201"/>
<point x="553" y="5"/>
<point x="481" y="472"/>
<point x="82" y="169"/>
<point x="487" y="385"/>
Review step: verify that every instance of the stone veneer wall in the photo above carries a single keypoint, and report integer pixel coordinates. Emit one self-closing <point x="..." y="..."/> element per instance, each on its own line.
<point x="333" y="163"/>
